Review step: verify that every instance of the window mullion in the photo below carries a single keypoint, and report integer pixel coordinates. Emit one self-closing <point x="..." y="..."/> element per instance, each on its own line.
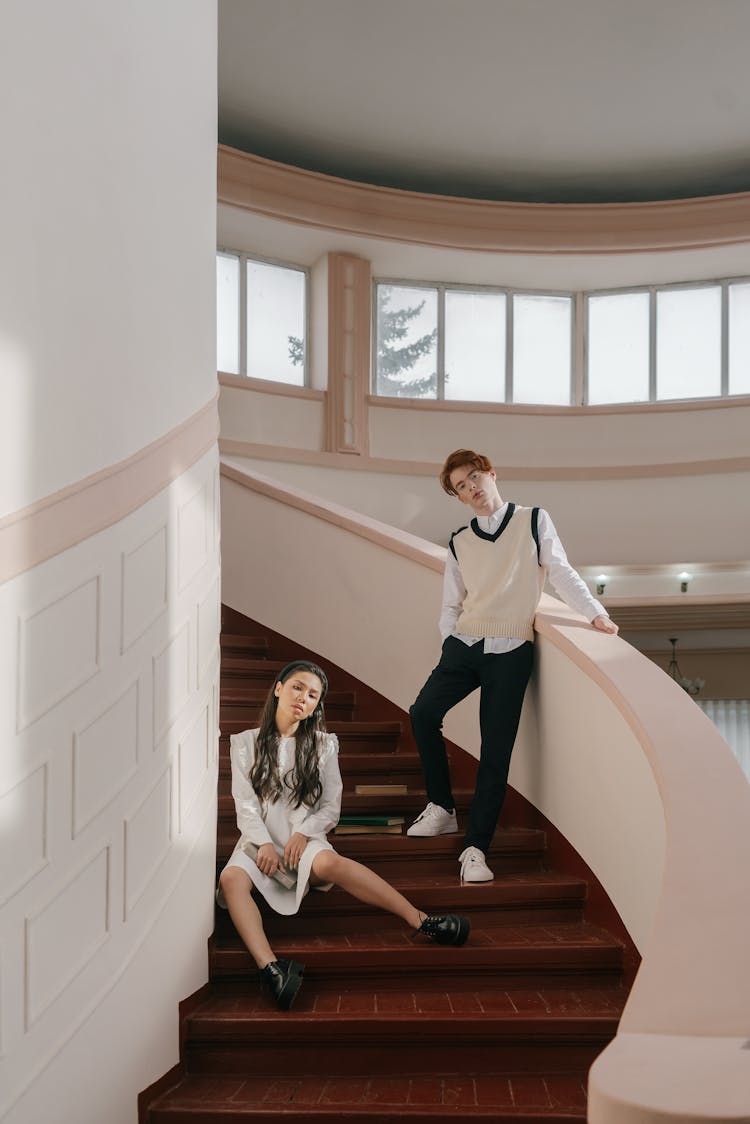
<point x="440" y="390"/>
<point x="724" y="339"/>
<point x="578" y="352"/>
<point x="243" y="314"/>
<point x="509" y="346"/>
<point x="652" y="345"/>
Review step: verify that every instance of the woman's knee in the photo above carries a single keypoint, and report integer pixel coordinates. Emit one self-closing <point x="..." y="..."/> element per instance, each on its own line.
<point x="326" y="865"/>
<point x="234" y="880"/>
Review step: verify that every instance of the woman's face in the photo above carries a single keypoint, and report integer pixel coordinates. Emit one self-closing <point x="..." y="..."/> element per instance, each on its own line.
<point x="297" y="698"/>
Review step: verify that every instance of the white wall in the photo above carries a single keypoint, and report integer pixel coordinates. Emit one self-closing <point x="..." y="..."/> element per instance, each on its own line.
<point x="109" y="648"/>
<point x="107" y="228"/>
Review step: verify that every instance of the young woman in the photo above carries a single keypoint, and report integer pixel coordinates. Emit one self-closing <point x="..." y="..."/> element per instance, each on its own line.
<point x="287" y="791"/>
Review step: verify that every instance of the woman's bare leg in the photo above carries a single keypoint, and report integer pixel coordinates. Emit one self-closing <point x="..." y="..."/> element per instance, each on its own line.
<point x="237" y="888"/>
<point x="364" y="884"/>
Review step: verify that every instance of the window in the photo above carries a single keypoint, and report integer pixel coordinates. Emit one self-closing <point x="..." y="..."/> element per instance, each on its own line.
<point x="406" y="341"/>
<point x="270" y="340"/>
<point x="688" y="342"/>
<point x="475" y="346"/>
<point x="542" y="343"/>
<point x="739" y="339"/>
<point x="618" y="346"/>
<point x="453" y="343"/>
<point x="228" y="313"/>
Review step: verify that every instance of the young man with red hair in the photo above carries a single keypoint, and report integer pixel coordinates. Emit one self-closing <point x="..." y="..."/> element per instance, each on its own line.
<point x="494" y="576"/>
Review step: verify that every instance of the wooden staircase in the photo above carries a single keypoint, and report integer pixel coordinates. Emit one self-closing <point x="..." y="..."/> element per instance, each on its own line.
<point x="386" y="1024"/>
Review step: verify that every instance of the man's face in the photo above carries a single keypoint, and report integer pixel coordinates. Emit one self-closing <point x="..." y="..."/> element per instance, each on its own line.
<point x="475" y="488"/>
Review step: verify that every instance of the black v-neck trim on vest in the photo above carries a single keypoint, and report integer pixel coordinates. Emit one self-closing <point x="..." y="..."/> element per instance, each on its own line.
<point x="485" y="534"/>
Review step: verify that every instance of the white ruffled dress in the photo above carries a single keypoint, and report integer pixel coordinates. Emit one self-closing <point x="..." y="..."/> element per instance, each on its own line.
<point x="276" y="822"/>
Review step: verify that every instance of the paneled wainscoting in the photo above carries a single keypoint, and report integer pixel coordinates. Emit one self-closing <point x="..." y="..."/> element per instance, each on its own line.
<point x="386" y="1024"/>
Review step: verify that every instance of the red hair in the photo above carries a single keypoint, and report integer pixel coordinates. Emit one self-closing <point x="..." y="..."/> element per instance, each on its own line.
<point x="457" y="459"/>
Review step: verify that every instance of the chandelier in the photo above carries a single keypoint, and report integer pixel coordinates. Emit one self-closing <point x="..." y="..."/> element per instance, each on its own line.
<point x="692" y="686"/>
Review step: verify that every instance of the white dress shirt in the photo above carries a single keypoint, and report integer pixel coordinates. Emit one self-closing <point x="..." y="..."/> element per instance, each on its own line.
<point x="562" y="577"/>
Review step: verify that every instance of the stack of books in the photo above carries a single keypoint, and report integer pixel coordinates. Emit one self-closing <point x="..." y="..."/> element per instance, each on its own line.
<point x="368" y="823"/>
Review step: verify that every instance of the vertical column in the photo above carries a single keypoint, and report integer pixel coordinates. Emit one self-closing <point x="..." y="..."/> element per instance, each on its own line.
<point x="349" y="293"/>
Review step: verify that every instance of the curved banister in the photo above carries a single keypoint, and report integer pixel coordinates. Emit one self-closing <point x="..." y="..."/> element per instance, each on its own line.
<point x="689" y="1009"/>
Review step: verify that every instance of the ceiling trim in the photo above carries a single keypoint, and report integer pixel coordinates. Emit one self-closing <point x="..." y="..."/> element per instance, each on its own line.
<point x="295" y="195"/>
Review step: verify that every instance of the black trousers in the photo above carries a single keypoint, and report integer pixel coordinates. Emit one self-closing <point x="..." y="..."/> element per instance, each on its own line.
<point x="502" y="680"/>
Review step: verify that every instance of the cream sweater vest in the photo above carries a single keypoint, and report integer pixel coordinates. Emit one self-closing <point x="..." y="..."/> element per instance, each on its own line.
<point x="502" y="575"/>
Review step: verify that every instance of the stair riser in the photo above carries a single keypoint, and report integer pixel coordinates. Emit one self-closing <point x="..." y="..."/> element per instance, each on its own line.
<point x="467" y="984"/>
<point x="326" y="924"/>
<point x="389" y="865"/>
<point x="310" y="1057"/>
<point x="347" y="1114"/>
<point x="249" y="713"/>
<point x="348" y="743"/>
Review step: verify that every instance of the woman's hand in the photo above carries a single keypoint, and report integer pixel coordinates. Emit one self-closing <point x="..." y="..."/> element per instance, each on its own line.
<point x="294" y="848"/>
<point x="268" y="861"/>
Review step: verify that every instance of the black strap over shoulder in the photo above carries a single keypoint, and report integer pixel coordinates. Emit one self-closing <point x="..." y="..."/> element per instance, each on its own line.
<point x="450" y="541"/>
<point x="535" y="532"/>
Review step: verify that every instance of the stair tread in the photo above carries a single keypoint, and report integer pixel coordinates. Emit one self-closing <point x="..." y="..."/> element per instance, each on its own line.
<point x="501" y="1003"/>
<point x="517" y="1095"/>
<point x="506" y="841"/>
<point x="376" y="727"/>
<point x="484" y="939"/>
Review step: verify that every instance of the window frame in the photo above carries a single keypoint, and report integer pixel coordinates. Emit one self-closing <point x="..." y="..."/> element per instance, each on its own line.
<point x="245" y="257"/>
<point x="579" y="359"/>
<point x="442" y="287"/>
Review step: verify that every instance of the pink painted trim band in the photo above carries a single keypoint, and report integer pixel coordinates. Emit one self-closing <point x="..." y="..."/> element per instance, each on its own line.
<point x="504" y="472"/>
<point x="268" y="386"/>
<point x="59" y="521"/>
<point x="329" y="203"/>
<point x="683" y="405"/>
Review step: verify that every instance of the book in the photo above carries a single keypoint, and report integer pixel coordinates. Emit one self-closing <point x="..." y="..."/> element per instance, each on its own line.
<point x="367" y="829"/>
<point x="371" y="821"/>
<point x="285" y="878"/>
<point x="380" y="789"/>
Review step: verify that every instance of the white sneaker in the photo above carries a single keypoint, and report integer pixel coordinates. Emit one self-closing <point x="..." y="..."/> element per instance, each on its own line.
<point x="434" y="821"/>
<point x="473" y="866"/>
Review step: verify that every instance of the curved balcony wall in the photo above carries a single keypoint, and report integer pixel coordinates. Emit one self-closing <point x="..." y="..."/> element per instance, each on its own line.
<point x="645" y="789"/>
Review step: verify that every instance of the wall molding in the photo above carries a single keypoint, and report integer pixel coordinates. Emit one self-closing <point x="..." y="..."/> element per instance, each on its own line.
<point x="458" y="406"/>
<point x="295" y="195"/>
<point x="59" y="521"/>
<point x="365" y="463"/>
<point x="269" y="386"/>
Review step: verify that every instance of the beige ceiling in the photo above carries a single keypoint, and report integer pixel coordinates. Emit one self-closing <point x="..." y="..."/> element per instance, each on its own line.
<point x="555" y="100"/>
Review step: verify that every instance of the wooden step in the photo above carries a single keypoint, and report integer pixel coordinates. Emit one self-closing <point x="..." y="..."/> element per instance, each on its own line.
<point x="250" y="669"/>
<point x="512" y="850"/>
<point x="541" y="897"/>
<point x="245" y="702"/>
<point x="248" y="647"/>
<point x="408" y="804"/>
<point x="402" y="1032"/>
<point x="379" y="959"/>
<point x="366" y="1098"/>
<point x="357" y="737"/>
<point x="356" y="768"/>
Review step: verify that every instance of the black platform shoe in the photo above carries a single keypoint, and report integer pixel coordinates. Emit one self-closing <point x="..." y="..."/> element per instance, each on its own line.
<point x="447" y="928"/>
<point x="284" y="979"/>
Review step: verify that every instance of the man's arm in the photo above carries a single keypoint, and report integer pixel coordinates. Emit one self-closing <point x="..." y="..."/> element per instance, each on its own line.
<point x="454" y="592"/>
<point x="565" y="580"/>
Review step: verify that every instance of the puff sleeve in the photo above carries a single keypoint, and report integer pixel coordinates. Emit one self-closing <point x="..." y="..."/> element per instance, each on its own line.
<point x="325" y="814"/>
<point x="249" y="812"/>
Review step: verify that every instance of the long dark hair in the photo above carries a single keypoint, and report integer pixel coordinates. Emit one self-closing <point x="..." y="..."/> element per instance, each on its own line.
<point x="303" y="779"/>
